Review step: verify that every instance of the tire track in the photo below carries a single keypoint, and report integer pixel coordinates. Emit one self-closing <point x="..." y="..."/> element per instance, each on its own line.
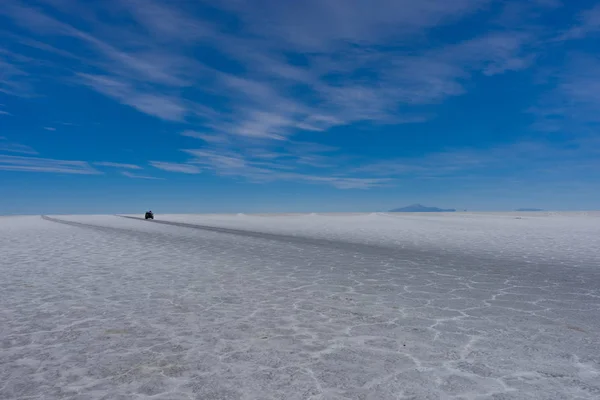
<point x="417" y="255"/>
<point x="302" y="240"/>
<point x="439" y="259"/>
<point x="425" y="256"/>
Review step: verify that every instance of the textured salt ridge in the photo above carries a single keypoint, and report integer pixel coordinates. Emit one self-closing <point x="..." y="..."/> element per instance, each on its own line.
<point x="116" y="308"/>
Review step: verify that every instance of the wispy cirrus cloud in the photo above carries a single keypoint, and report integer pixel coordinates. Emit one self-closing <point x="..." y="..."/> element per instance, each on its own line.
<point x="166" y="23"/>
<point x="344" y="182"/>
<point x="571" y="102"/>
<point x="138" y="176"/>
<point x="286" y="68"/>
<point x="324" y="25"/>
<point x="137" y="78"/>
<point x="161" y="106"/>
<point x="524" y="160"/>
<point x="234" y="158"/>
<point x="34" y="164"/>
<point x="117" y="165"/>
<point x="8" y="146"/>
<point x="176" y="167"/>
<point x="209" y="138"/>
<point x="341" y="38"/>
<point x="253" y="169"/>
<point x="581" y="84"/>
<point x="588" y="23"/>
<point x="348" y="78"/>
<point x="14" y="79"/>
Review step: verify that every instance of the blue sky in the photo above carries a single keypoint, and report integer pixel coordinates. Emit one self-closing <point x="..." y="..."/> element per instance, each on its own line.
<point x="280" y="105"/>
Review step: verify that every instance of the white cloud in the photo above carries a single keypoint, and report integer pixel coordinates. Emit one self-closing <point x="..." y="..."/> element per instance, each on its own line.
<point x="139" y="78"/>
<point x="299" y="147"/>
<point x="219" y="160"/>
<point x="588" y="23"/>
<point x="395" y="81"/>
<point x="536" y="159"/>
<point x="581" y="83"/>
<point x="167" y="23"/>
<point x="234" y="164"/>
<point x="117" y="165"/>
<point x="33" y="164"/>
<point x="306" y="67"/>
<point x="4" y="112"/>
<point x="49" y="128"/>
<point x="14" y="79"/>
<point x="165" y="107"/>
<point x="11" y="147"/>
<point x="348" y="183"/>
<point x="495" y="53"/>
<point x="571" y="102"/>
<point x="142" y="65"/>
<point x="36" y="44"/>
<point x="137" y="176"/>
<point x="323" y="25"/>
<point x="145" y="65"/>
<point x="209" y="138"/>
<point x="176" y="167"/>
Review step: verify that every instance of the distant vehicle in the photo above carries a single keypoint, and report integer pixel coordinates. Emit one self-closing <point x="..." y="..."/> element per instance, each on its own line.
<point x="149" y="215"/>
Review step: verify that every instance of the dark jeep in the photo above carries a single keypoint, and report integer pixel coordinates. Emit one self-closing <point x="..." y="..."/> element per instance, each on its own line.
<point x="149" y="215"/>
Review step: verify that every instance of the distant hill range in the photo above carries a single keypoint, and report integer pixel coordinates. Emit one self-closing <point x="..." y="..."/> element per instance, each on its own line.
<point x="421" y="208"/>
<point x="529" y="209"/>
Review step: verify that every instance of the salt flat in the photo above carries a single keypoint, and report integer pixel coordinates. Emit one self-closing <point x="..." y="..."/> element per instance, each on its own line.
<point x="573" y="236"/>
<point x="361" y="306"/>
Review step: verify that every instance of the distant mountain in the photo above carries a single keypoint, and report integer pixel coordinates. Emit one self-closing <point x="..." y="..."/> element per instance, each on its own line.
<point x="529" y="209"/>
<point x="421" y="208"/>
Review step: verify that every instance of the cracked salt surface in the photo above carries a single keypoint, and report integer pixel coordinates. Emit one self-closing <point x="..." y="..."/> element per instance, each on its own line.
<point x="104" y="307"/>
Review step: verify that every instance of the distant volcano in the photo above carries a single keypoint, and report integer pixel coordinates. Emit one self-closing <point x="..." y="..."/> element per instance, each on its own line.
<point x="421" y="208"/>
